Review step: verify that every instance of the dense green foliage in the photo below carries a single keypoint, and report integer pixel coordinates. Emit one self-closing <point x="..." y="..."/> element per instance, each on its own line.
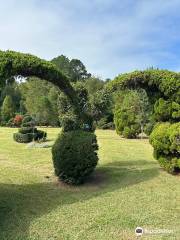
<point x="23" y="138"/>
<point x="94" y="84"/>
<point x="70" y="122"/>
<point x="131" y="113"/>
<point x="29" y="136"/>
<point x="11" y="89"/>
<point x="165" y="110"/>
<point x="19" y="64"/>
<point x="74" y="69"/>
<point x="166" y="142"/>
<point x="100" y="105"/>
<point x="161" y="86"/>
<point x="39" y="98"/>
<point x="40" y="101"/>
<point x="74" y="156"/>
<point x="93" y="101"/>
<point x="67" y="114"/>
<point x="157" y="83"/>
<point x="106" y="123"/>
<point x="8" y="109"/>
<point x="163" y="90"/>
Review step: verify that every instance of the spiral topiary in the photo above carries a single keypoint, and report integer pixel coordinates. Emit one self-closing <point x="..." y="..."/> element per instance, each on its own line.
<point x="28" y="132"/>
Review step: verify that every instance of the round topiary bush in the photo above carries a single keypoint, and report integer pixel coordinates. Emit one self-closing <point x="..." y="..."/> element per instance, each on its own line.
<point x="165" y="139"/>
<point x="74" y="156"/>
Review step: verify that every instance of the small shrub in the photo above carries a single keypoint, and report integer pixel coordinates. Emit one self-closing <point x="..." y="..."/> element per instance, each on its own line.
<point x="104" y="124"/>
<point x="165" y="139"/>
<point x="74" y="156"/>
<point x="162" y="110"/>
<point x="23" y="138"/>
<point x="129" y="132"/>
<point x="29" y="137"/>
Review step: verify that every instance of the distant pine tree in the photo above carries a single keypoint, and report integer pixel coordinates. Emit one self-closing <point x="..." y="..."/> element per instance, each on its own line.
<point x="8" y="109"/>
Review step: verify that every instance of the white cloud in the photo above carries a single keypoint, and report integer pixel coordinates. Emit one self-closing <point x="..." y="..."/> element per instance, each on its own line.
<point x="108" y="36"/>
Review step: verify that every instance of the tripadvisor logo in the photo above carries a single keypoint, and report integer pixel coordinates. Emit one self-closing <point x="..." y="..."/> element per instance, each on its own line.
<point x="139" y="231"/>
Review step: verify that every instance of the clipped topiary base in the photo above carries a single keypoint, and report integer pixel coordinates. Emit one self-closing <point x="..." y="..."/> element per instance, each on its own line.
<point x="74" y="156"/>
<point x="23" y="138"/>
<point x="29" y="137"/>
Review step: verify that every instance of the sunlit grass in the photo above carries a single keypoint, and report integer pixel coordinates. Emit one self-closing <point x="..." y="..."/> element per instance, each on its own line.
<point x="127" y="190"/>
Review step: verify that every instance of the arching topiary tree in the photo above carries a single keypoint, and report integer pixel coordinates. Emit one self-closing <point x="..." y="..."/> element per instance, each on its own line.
<point x="157" y="83"/>
<point x="19" y="64"/>
<point x="163" y="90"/>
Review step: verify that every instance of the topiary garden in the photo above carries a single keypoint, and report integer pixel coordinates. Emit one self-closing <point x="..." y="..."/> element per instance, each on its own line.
<point x="74" y="153"/>
<point x="163" y="91"/>
<point x="162" y="88"/>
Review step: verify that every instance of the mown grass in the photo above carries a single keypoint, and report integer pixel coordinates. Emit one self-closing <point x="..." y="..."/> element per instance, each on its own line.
<point x="127" y="190"/>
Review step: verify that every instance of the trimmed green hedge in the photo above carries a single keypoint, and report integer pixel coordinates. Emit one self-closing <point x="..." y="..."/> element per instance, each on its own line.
<point x="23" y="138"/>
<point x="74" y="156"/>
<point x="29" y="137"/>
<point x="165" y="139"/>
<point x="157" y="83"/>
<point x="25" y="130"/>
<point x="29" y="133"/>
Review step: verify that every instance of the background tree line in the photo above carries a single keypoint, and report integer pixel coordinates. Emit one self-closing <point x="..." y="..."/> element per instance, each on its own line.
<point x="45" y="103"/>
<point x="132" y="112"/>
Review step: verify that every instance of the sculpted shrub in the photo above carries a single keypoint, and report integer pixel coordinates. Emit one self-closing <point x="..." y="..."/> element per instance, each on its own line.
<point x="74" y="156"/>
<point x="165" y="139"/>
<point x="28" y="132"/>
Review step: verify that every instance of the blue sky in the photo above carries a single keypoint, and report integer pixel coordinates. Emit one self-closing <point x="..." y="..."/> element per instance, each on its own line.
<point x="108" y="36"/>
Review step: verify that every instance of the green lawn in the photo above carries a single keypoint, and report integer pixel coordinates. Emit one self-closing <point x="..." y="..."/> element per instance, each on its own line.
<point x="128" y="190"/>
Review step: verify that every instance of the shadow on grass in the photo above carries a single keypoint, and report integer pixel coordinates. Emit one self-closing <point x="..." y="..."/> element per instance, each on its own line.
<point x="20" y="204"/>
<point x="134" y="163"/>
